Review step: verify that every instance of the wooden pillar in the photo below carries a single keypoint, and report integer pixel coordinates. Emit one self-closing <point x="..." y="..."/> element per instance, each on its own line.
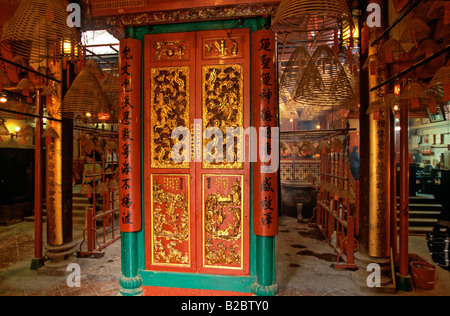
<point x="54" y="164"/>
<point x="379" y="163"/>
<point x="59" y="249"/>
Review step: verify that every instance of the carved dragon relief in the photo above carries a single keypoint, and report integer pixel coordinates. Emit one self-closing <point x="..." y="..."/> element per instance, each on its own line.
<point x="169" y="109"/>
<point x="222" y="107"/>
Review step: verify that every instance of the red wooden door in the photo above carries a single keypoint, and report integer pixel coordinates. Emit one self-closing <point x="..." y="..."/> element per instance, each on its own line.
<point x="197" y="212"/>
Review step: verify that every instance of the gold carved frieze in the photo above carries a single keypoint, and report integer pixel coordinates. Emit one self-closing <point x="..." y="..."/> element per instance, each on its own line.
<point x="222" y="221"/>
<point x="222" y="108"/>
<point x="223" y="48"/>
<point x="184" y="15"/>
<point x="171" y="50"/>
<point x="170" y="94"/>
<point x="170" y="213"/>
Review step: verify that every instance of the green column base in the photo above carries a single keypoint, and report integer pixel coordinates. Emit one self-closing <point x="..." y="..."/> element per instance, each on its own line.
<point x="36" y="263"/>
<point x="404" y="283"/>
<point x="261" y="290"/>
<point x="130" y="286"/>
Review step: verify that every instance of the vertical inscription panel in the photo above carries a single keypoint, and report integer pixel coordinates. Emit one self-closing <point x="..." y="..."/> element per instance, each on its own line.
<point x="171" y="220"/>
<point x="222" y="221"/>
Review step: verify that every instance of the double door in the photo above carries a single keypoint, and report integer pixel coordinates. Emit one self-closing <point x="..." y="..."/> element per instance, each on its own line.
<point x="197" y="196"/>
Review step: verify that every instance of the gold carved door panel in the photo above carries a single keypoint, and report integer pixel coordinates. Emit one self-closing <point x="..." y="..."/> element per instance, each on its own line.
<point x="197" y="211"/>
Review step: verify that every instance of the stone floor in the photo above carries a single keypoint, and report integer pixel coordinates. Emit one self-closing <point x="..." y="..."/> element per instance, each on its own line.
<point x="303" y="266"/>
<point x="99" y="276"/>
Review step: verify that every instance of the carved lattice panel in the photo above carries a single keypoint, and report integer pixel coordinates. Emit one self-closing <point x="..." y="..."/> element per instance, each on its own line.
<point x="222" y="108"/>
<point x="223" y="202"/>
<point x="171" y="222"/>
<point x="170" y="97"/>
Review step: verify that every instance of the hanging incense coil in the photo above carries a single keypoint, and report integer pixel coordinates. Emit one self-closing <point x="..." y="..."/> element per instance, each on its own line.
<point x="101" y="188"/>
<point x="441" y="81"/>
<point x="293" y="72"/>
<point x="416" y="30"/>
<point x="303" y="20"/>
<point x="94" y="68"/>
<point x="85" y="99"/>
<point x="441" y="77"/>
<point x="437" y="9"/>
<point x="336" y="145"/>
<point x="110" y="86"/>
<point x="391" y="51"/>
<point x="442" y="32"/>
<point x="391" y="100"/>
<point x="86" y="189"/>
<point x="5" y="82"/>
<point x="3" y="129"/>
<point x="113" y="184"/>
<point x="325" y="83"/>
<point x="50" y="133"/>
<point x="39" y="30"/>
<point x="425" y="50"/>
<point x="24" y="84"/>
<point x="415" y="97"/>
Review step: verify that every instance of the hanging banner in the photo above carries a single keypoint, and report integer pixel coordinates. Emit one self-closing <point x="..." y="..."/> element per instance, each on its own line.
<point x="129" y="135"/>
<point x="265" y="120"/>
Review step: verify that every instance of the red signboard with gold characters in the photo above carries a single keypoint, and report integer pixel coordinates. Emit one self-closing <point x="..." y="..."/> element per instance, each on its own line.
<point x="129" y="135"/>
<point x="265" y="118"/>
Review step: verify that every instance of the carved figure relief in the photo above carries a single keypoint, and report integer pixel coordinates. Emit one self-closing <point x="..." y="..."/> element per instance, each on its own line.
<point x="170" y="220"/>
<point x="222" y="217"/>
